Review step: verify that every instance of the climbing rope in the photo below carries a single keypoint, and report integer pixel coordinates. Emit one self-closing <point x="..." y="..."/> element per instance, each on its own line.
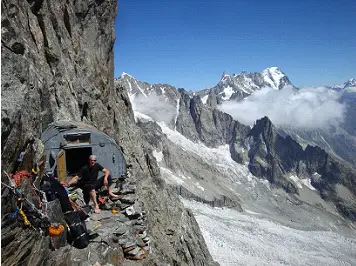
<point x="6" y="185"/>
<point x="52" y="230"/>
<point x="33" y="190"/>
<point x="42" y="204"/>
<point x="20" y="211"/>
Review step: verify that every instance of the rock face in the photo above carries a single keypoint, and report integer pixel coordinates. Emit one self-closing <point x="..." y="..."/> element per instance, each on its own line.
<point x="193" y="119"/>
<point x="57" y="63"/>
<point x="212" y="127"/>
<point x="198" y="122"/>
<point x="277" y="158"/>
<point x="271" y="156"/>
<point x="62" y="71"/>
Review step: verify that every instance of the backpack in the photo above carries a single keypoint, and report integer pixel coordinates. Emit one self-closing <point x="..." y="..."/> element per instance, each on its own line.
<point x="78" y="234"/>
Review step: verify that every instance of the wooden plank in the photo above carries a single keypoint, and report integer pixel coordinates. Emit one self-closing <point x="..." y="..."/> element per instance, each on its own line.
<point x="61" y="166"/>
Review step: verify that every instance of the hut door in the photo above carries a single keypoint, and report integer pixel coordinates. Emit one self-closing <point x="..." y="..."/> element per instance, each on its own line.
<point x="61" y="166"/>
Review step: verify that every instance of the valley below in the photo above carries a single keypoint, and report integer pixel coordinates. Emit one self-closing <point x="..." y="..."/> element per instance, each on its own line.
<point x="245" y="219"/>
<point x="250" y="238"/>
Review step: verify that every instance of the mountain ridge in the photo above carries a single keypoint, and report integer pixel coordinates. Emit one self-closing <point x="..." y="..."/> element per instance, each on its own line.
<point x="203" y="123"/>
<point x="325" y="137"/>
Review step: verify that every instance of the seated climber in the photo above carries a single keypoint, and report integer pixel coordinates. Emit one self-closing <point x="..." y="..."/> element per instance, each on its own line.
<point x="89" y="182"/>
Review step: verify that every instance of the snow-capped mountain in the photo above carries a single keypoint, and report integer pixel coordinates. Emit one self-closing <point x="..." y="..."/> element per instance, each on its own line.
<point x="349" y="92"/>
<point x="159" y="101"/>
<point x="340" y="141"/>
<point x="186" y="114"/>
<point x="206" y="155"/>
<point x="350" y="84"/>
<point x="244" y="84"/>
<point x="228" y="88"/>
<point x="136" y="88"/>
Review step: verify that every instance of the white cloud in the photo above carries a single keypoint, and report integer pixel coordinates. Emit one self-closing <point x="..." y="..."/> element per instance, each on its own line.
<point x="309" y="108"/>
<point x="157" y="107"/>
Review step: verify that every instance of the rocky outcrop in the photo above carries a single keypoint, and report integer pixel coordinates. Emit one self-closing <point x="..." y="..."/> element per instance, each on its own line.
<point x="57" y="63"/>
<point x="62" y="71"/>
<point x="208" y="125"/>
<point x="277" y="158"/>
<point x="185" y="123"/>
<point x="273" y="156"/>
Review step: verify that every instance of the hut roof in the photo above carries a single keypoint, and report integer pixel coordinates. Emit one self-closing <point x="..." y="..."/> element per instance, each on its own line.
<point x="67" y="126"/>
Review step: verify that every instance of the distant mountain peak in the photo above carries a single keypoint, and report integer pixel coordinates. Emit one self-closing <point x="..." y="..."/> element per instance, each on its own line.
<point x="273" y="69"/>
<point x="350" y="83"/>
<point x="224" y="75"/>
<point x="239" y="86"/>
<point x="273" y="76"/>
<point x="123" y="74"/>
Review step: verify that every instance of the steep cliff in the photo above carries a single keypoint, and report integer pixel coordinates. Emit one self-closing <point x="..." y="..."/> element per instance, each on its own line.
<point x="280" y="159"/>
<point x="57" y="63"/>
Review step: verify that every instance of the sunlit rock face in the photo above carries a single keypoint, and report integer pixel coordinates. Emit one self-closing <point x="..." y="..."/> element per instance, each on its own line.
<point x="57" y="63"/>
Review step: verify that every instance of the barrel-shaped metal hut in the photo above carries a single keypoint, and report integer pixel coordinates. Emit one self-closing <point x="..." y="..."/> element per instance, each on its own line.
<point x="68" y="145"/>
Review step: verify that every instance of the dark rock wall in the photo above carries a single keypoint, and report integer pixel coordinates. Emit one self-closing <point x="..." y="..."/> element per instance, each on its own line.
<point x="185" y="123"/>
<point x="57" y="63"/>
<point x="212" y="127"/>
<point x="276" y="158"/>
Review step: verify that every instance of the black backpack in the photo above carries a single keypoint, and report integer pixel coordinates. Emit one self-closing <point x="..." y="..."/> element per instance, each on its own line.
<point x="78" y="234"/>
<point x="54" y="190"/>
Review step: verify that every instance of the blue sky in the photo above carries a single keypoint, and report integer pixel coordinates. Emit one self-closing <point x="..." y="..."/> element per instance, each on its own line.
<point x="188" y="44"/>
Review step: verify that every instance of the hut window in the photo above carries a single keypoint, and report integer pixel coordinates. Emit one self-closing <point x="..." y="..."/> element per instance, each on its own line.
<point x="77" y="138"/>
<point x="76" y="158"/>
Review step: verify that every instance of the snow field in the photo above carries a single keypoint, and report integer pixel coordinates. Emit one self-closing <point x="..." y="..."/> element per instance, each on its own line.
<point x="235" y="238"/>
